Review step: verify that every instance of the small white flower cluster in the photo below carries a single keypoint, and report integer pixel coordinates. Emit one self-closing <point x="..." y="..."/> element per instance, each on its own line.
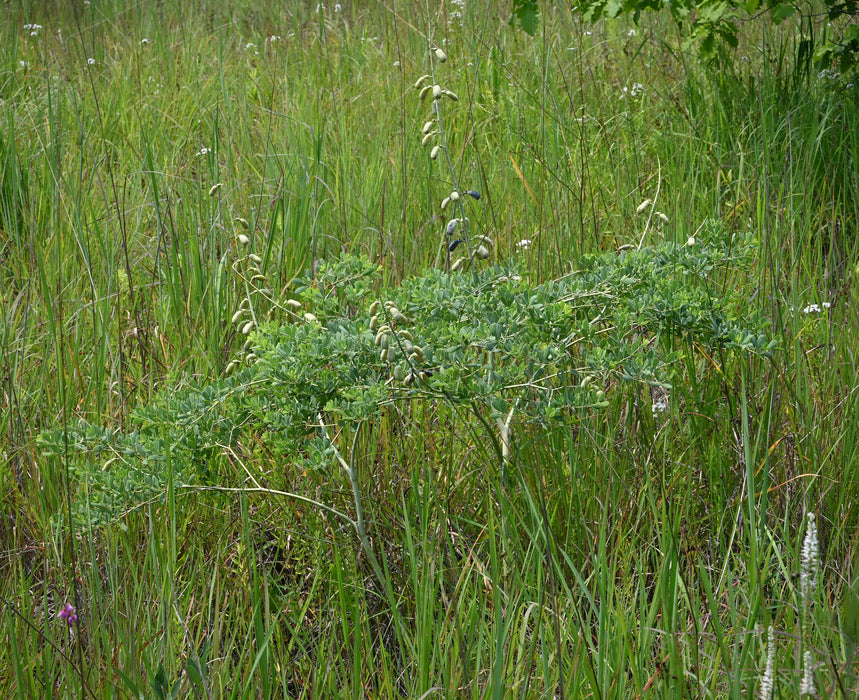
<point x="144" y="41"/>
<point x="765" y="692"/>
<point x="90" y="61"/>
<point x="815" y="308"/>
<point x="806" y="686"/>
<point x="828" y="74"/>
<point x="631" y="33"/>
<point x="809" y="559"/>
<point x="659" y="406"/>
<point x="636" y="90"/>
<point x="524" y="244"/>
<point x="33" y="29"/>
<point x="204" y="151"/>
<point x="455" y="15"/>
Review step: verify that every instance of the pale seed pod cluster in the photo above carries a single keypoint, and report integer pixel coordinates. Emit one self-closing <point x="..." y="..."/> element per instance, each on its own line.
<point x="396" y="345"/>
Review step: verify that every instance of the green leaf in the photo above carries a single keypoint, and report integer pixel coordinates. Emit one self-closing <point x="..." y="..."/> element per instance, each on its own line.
<point x="525" y="14"/>
<point x="782" y="11"/>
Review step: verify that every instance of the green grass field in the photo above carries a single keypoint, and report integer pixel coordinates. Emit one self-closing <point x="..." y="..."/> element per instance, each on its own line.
<point x="612" y="455"/>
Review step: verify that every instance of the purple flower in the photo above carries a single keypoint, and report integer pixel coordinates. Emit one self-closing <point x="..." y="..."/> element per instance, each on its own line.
<point x="67" y="613"/>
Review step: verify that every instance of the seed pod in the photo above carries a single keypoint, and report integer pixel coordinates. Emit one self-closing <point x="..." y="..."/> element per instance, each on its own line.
<point x="251" y="358"/>
<point x="383" y="356"/>
<point x="309" y="317"/>
<point x="451" y="95"/>
<point x="481" y="253"/>
<point x="230" y="368"/>
<point x="243" y="239"/>
<point x="399" y="317"/>
<point x="417" y="353"/>
<point x="237" y="316"/>
<point x="436" y="91"/>
<point x="434" y="152"/>
<point x="399" y="373"/>
<point x="407" y="346"/>
<point x="421" y="81"/>
<point x="247" y="345"/>
<point x="245" y="303"/>
<point x="473" y="193"/>
<point x="451" y="227"/>
<point x="454" y="196"/>
<point x="440" y="55"/>
<point x="641" y="207"/>
<point x="663" y="217"/>
<point x="377" y="341"/>
<point x="244" y="222"/>
<point x="427" y="89"/>
<point x="255" y="258"/>
<point x="486" y="240"/>
<point x="410" y="378"/>
<point x="428" y="137"/>
<point x="374" y="323"/>
<point x="386" y="341"/>
<point x="293" y="304"/>
<point x="452" y="246"/>
<point x="405" y="335"/>
<point x="428" y="126"/>
<point x="374" y="308"/>
<point x="258" y="278"/>
<point x="457" y="264"/>
<point x="213" y="190"/>
<point x="247" y="328"/>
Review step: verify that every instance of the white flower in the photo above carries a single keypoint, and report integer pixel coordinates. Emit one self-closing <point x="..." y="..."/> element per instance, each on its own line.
<point x="90" y="61"/>
<point x="631" y="32"/>
<point x="809" y="559"/>
<point x="659" y="406"/>
<point x="765" y="692"/>
<point x="144" y="41"/>
<point x="320" y="8"/>
<point x="203" y="151"/>
<point x="250" y="46"/>
<point x="815" y="309"/>
<point x="524" y="244"/>
<point x="337" y="7"/>
<point x="806" y="686"/>
<point x="23" y="64"/>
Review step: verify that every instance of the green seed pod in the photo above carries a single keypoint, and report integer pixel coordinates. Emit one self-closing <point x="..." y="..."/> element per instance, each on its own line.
<point x="237" y="316"/>
<point x="257" y="278"/>
<point x="434" y="152"/>
<point x="374" y="323"/>
<point x="407" y="346"/>
<point x="410" y="378"/>
<point x="399" y="373"/>
<point x="421" y="81"/>
<point x="309" y="317"/>
<point x="243" y="222"/>
<point x="427" y="89"/>
<point x="255" y="258"/>
<point x="293" y="304"/>
<point x="385" y="342"/>
<point x="247" y="328"/>
<point x="486" y="240"/>
<point x="248" y="344"/>
<point x="230" y="368"/>
<point x="428" y="137"/>
<point x="383" y="356"/>
<point x="213" y="190"/>
<point x="457" y="264"/>
<point x="454" y="196"/>
<point x="243" y="239"/>
<point x="481" y="252"/>
<point x="251" y="358"/>
<point x="641" y="207"/>
<point x="440" y="55"/>
<point x="428" y="126"/>
<point x="451" y="95"/>
<point x="417" y="353"/>
<point x="374" y="308"/>
<point x="436" y="91"/>
<point x="245" y="303"/>
<point x="405" y="335"/>
<point x="377" y="341"/>
<point x="445" y="202"/>
<point x="399" y="317"/>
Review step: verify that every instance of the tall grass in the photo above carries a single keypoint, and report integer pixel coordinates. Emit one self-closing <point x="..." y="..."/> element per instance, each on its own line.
<point x="634" y="552"/>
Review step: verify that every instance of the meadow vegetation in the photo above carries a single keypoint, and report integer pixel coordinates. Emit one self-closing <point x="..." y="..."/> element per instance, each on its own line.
<point x="535" y="377"/>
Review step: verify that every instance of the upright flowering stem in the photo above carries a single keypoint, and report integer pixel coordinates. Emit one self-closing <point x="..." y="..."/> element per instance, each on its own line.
<point x="809" y="571"/>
